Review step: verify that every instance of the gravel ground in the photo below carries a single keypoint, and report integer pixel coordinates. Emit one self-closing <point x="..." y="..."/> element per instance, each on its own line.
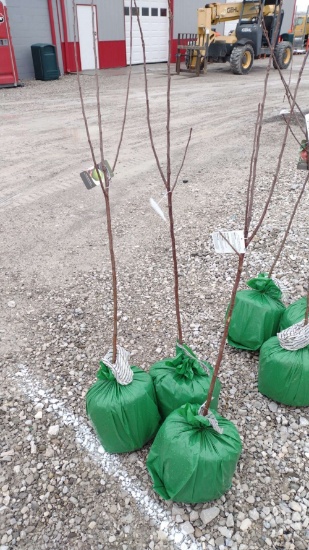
<point x="58" y="488"/>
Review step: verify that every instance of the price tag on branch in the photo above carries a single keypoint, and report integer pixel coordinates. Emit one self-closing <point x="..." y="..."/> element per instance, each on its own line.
<point x="229" y="242"/>
<point x="91" y="177"/>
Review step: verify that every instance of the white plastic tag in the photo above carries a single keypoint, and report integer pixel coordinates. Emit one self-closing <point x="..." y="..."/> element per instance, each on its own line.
<point x="157" y="208"/>
<point x="221" y="240"/>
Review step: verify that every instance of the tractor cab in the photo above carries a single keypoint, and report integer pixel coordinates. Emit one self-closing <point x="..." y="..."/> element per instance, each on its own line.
<point x="257" y="25"/>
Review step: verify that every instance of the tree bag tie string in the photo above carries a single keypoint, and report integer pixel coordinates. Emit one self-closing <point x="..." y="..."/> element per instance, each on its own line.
<point x="182" y="379"/>
<point x="190" y="355"/>
<point x="211" y="419"/>
<point x="283" y="288"/>
<point x="295" y="337"/>
<point x="121" y="369"/>
<point x="262" y="283"/>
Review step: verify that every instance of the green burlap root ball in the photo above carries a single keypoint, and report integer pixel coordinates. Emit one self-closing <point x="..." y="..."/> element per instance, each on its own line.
<point x="124" y="417"/>
<point x="294" y="314"/>
<point x="256" y="314"/>
<point x="189" y="461"/>
<point x="182" y="379"/>
<point x="283" y="374"/>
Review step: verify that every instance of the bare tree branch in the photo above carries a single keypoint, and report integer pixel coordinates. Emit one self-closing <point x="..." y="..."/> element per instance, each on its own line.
<point x="168" y="106"/>
<point x="276" y="176"/>
<point x="95" y="164"/>
<point x="225" y="333"/>
<point x="297" y="140"/>
<point x="230" y="244"/>
<point x="183" y="160"/>
<point x="127" y="95"/>
<point x="94" y="40"/>
<point x="257" y="137"/>
<point x="251" y="182"/>
<point x="147" y="99"/>
<point x="106" y="195"/>
<point x="166" y="179"/>
<point x="287" y="88"/>
<point x="287" y="231"/>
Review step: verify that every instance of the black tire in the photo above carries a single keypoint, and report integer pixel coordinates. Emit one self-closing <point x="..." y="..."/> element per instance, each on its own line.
<point x="241" y="59"/>
<point x="283" y="55"/>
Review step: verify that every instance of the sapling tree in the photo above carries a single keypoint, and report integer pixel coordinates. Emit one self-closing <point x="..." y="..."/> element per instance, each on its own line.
<point x="121" y="404"/>
<point x="169" y="184"/>
<point x="251" y="196"/>
<point x="251" y="187"/>
<point x="101" y="167"/>
<point x="210" y="457"/>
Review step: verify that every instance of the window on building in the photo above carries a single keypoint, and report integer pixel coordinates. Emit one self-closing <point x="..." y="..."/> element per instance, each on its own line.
<point x="154" y="12"/>
<point x="135" y="11"/>
<point x="127" y="11"/>
<point x="145" y="11"/>
<point x="163" y="12"/>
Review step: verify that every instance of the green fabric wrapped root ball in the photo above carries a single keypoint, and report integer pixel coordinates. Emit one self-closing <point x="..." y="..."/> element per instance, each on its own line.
<point x="256" y="315"/>
<point x="284" y="374"/>
<point x="294" y="314"/>
<point x="182" y="379"/>
<point x="124" y="417"/>
<point x="189" y="461"/>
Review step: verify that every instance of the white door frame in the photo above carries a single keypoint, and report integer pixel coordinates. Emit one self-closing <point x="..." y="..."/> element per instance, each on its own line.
<point x="85" y="36"/>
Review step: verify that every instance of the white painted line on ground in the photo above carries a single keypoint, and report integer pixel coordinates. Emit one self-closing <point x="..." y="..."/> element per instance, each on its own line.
<point x="110" y="464"/>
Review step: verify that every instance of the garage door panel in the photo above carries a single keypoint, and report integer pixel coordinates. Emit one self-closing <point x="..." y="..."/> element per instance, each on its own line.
<point x="155" y="30"/>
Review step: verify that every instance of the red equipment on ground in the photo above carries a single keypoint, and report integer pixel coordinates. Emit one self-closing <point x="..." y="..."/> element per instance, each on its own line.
<point x="8" y="70"/>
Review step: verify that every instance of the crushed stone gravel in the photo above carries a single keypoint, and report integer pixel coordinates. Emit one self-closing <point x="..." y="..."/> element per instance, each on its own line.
<point x="57" y="487"/>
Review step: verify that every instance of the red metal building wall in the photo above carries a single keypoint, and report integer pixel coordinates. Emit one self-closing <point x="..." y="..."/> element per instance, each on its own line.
<point x="111" y="53"/>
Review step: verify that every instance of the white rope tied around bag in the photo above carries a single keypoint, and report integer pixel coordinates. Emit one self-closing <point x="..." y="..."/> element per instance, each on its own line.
<point x="121" y="369"/>
<point x="188" y="354"/>
<point x="211" y="418"/>
<point x="294" y="337"/>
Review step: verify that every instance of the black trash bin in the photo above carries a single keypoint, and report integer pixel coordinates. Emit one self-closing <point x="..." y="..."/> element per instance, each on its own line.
<point x="45" y="62"/>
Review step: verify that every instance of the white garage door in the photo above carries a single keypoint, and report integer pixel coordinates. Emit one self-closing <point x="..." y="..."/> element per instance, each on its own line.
<point x="154" y="20"/>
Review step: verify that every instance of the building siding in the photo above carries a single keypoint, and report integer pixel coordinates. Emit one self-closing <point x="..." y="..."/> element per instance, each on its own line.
<point x="29" y="24"/>
<point x="185" y="17"/>
<point x="110" y="14"/>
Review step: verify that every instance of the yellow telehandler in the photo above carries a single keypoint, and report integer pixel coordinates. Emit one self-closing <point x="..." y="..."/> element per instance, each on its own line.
<point x="301" y="30"/>
<point x="257" y="23"/>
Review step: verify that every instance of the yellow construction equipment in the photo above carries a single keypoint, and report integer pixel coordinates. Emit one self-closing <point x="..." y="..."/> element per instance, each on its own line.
<point x="255" y="31"/>
<point x="301" y="30"/>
